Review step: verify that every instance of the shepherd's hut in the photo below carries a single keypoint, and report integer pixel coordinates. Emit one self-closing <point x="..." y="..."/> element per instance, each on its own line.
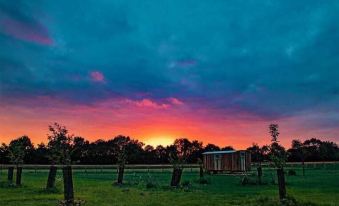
<point x="227" y="161"/>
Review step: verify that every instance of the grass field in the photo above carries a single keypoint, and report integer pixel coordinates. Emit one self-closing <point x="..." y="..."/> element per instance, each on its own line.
<point x="319" y="186"/>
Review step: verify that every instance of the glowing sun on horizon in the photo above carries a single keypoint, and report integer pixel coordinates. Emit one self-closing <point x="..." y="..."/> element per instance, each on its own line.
<point x="160" y="140"/>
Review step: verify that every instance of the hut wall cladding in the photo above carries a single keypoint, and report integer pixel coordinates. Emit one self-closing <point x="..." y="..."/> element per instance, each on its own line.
<point x="209" y="162"/>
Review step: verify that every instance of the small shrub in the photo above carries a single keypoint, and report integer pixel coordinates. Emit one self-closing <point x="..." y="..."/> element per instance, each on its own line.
<point x="186" y="183"/>
<point x="136" y="179"/>
<point x="272" y="179"/>
<point x="292" y="173"/>
<point x="7" y="185"/>
<point x="76" y="203"/>
<point x="125" y="190"/>
<point x="150" y="185"/>
<point x="186" y="186"/>
<point x="246" y="180"/>
<point x="203" y="181"/>
<point x="150" y="182"/>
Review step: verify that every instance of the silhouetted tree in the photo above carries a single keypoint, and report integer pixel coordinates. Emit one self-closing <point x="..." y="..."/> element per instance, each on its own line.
<point x="17" y="150"/>
<point x="149" y="155"/>
<point x="103" y="152"/>
<point x="60" y="147"/>
<point x="162" y="154"/>
<point x="180" y="151"/>
<point x="297" y="153"/>
<point x="4" y="154"/>
<point x="227" y="148"/>
<point x="195" y="149"/>
<point x="211" y="147"/>
<point x="124" y="148"/>
<point x="79" y="150"/>
<point x="258" y="154"/>
<point x="278" y="157"/>
<point x="39" y="155"/>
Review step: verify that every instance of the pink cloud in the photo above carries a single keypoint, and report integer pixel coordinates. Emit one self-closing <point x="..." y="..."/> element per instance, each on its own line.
<point x="97" y="76"/>
<point x="175" y="101"/>
<point x="148" y="103"/>
<point x="36" y="33"/>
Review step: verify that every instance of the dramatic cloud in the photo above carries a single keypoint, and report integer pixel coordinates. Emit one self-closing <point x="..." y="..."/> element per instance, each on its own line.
<point x="242" y="64"/>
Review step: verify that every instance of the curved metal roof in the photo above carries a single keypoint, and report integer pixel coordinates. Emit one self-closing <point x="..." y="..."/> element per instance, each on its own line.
<point x="219" y="152"/>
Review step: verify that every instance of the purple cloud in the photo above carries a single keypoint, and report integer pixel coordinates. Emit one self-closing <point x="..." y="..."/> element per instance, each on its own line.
<point x="30" y="32"/>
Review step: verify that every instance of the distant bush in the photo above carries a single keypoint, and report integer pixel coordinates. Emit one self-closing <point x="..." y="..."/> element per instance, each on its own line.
<point x="292" y="173"/>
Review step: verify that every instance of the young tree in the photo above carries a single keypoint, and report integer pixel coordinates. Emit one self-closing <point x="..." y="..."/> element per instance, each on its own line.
<point x="4" y="156"/>
<point x="257" y="155"/>
<point x="60" y="146"/>
<point x="278" y="157"/>
<point x="298" y="153"/>
<point x="120" y="144"/>
<point x="10" y="169"/>
<point x="18" y="149"/>
<point x="180" y="151"/>
<point x="201" y="169"/>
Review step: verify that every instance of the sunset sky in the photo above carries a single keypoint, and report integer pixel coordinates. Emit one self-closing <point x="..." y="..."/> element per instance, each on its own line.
<point x="216" y="71"/>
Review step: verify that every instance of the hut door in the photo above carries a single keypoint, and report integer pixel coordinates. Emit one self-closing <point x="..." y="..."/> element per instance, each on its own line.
<point x="217" y="162"/>
<point x="242" y="161"/>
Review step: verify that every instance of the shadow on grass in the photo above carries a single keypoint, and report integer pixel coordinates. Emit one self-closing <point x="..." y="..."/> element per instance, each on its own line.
<point x="267" y="201"/>
<point x="10" y="185"/>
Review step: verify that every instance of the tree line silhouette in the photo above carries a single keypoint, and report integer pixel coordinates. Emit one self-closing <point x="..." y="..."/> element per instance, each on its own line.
<point x="107" y="151"/>
<point x="65" y="149"/>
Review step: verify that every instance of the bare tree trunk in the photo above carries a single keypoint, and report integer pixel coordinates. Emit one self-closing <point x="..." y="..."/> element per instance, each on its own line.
<point x="259" y="174"/>
<point x="10" y="174"/>
<point x="176" y="177"/>
<point x="51" y="177"/>
<point x="303" y="165"/>
<point x="281" y="183"/>
<point x="121" y="174"/>
<point x="18" y="176"/>
<point x="201" y="172"/>
<point x="68" y="185"/>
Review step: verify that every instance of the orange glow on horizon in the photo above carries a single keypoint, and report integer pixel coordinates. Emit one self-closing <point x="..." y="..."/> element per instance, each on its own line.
<point x="152" y="125"/>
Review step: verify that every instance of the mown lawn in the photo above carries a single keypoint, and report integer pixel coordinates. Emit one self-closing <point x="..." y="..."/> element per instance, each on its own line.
<point x="320" y="186"/>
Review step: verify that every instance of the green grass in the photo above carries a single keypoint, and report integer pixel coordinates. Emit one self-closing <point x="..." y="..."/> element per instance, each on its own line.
<point x="320" y="186"/>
